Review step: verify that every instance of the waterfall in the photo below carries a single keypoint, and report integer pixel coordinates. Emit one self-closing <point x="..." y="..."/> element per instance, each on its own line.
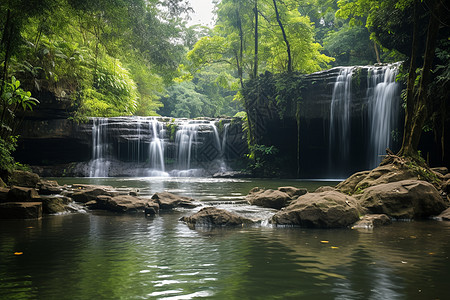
<point x="198" y="144"/>
<point x="383" y="111"/>
<point x="99" y="165"/>
<point x="156" y="151"/>
<point x="339" y="139"/>
<point x="224" y="140"/>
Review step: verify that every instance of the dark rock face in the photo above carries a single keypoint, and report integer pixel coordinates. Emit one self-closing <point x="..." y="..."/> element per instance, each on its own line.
<point x="372" y="221"/>
<point x="49" y="187"/>
<point x="24" y="179"/>
<point x="167" y="200"/>
<point x="55" y="204"/>
<point x="21" y="210"/>
<point x="407" y="199"/>
<point x="22" y="194"/>
<point x="330" y="209"/>
<point x="211" y="216"/>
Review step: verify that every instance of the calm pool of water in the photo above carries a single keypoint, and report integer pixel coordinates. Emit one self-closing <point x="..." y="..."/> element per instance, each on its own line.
<point x="100" y="255"/>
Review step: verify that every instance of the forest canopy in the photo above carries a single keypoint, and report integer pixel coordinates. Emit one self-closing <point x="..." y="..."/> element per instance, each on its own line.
<point x="139" y="57"/>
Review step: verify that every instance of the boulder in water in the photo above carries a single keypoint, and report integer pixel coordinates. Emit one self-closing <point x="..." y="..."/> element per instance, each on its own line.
<point x="49" y="187"/>
<point x="22" y="194"/>
<point x="406" y="199"/>
<point x="120" y="203"/>
<point x="24" y="179"/>
<point x="293" y="192"/>
<point x="268" y="198"/>
<point x="55" y="204"/>
<point x="168" y="200"/>
<point x="89" y="193"/>
<point x="330" y="209"/>
<point x="211" y="216"/>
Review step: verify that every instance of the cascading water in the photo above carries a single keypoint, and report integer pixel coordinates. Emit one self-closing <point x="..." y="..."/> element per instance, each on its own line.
<point x="139" y="146"/>
<point x="383" y="98"/>
<point x="339" y="139"/>
<point x="189" y="137"/>
<point x="99" y="165"/>
<point x="156" y="151"/>
<point x="348" y="126"/>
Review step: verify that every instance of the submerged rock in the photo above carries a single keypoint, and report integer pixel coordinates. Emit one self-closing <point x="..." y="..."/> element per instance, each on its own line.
<point x="211" y="216"/>
<point x="329" y="209"/>
<point x="406" y="199"/>
<point x="372" y="221"/>
<point x="168" y="200"/>
<point x="21" y="210"/>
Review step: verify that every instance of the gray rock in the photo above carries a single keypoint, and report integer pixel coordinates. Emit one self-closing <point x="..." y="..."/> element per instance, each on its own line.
<point x="211" y="216"/>
<point x="22" y="194"/>
<point x="325" y="188"/>
<point x="268" y="198"/>
<point x="49" y="187"/>
<point x="372" y="221"/>
<point x="89" y="194"/>
<point x="121" y="203"/>
<point x="24" y="179"/>
<point x="406" y="199"/>
<point x="55" y="204"/>
<point x="330" y="209"/>
<point x="168" y="200"/>
<point x="151" y="208"/>
<point x="293" y="192"/>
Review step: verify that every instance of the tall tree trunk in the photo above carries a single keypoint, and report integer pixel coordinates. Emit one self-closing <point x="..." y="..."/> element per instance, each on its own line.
<point x="288" y="47"/>
<point x="416" y="118"/>
<point x="255" y="67"/>
<point x="376" y="52"/>
<point x="241" y="48"/>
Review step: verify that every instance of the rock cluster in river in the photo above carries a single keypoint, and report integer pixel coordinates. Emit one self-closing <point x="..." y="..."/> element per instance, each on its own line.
<point x="365" y="200"/>
<point x="36" y="196"/>
<point x="212" y="216"/>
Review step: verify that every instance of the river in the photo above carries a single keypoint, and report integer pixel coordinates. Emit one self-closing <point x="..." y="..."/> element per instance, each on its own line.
<point x="100" y="255"/>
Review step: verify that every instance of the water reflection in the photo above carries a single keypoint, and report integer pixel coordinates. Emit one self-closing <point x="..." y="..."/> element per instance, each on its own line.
<point x="110" y="256"/>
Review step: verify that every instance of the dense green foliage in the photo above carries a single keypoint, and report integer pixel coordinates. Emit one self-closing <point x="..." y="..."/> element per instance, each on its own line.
<point x="110" y="57"/>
